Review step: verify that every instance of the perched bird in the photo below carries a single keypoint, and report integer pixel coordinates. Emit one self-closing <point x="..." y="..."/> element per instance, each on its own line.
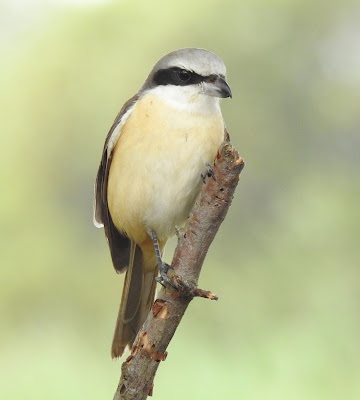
<point x="162" y="142"/>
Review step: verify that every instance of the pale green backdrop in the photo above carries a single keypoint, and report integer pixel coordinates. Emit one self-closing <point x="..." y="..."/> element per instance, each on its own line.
<point x="285" y="263"/>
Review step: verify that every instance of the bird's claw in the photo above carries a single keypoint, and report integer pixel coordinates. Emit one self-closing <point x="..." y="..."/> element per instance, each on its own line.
<point x="163" y="279"/>
<point x="209" y="172"/>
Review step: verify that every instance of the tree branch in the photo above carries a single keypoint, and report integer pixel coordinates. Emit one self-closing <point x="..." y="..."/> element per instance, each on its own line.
<point x="139" y="369"/>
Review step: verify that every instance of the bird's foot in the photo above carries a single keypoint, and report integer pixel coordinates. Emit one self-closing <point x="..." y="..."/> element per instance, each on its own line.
<point x="209" y="172"/>
<point x="163" y="279"/>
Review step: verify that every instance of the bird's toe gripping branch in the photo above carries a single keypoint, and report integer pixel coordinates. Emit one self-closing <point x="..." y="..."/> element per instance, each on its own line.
<point x="209" y="172"/>
<point x="163" y="279"/>
<point x="175" y="281"/>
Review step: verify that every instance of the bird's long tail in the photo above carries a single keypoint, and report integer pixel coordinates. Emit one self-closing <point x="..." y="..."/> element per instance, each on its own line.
<point x="137" y="299"/>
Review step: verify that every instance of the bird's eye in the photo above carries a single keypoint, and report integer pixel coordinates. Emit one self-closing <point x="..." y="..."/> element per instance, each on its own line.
<point x="184" y="75"/>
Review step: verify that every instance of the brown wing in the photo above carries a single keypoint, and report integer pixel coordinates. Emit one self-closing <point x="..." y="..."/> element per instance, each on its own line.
<point x="119" y="244"/>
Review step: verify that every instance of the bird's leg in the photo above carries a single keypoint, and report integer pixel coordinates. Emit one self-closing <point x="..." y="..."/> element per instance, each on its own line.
<point x="163" y="267"/>
<point x="209" y="172"/>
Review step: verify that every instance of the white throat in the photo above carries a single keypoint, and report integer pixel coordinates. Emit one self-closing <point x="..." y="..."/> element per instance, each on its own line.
<point x="187" y="99"/>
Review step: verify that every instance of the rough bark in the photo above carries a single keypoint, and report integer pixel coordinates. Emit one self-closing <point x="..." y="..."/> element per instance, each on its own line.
<point x="139" y="369"/>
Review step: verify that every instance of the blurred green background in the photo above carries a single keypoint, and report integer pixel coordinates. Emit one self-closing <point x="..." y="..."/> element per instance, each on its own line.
<point x="285" y="263"/>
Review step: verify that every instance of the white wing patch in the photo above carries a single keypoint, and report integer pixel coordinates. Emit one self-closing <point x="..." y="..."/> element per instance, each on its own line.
<point x="117" y="131"/>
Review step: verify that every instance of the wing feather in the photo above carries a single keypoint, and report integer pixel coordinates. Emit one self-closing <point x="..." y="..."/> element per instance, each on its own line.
<point x="119" y="244"/>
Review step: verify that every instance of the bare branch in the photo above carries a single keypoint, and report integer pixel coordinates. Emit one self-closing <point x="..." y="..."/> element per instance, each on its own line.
<point x="139" y="369"/>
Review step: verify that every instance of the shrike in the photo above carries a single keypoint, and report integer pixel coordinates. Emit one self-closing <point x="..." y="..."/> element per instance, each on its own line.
<point x="155" y="155"/>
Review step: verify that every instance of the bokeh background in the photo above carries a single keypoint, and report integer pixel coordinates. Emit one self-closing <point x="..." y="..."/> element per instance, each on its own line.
<point x="285" y="263"/>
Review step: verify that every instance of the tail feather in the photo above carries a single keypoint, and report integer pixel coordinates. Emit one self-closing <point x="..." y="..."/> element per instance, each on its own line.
<point x="137" y="298"/>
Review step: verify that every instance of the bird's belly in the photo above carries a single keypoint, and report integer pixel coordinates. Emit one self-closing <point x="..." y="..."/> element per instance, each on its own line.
<point x="155" y="175"/>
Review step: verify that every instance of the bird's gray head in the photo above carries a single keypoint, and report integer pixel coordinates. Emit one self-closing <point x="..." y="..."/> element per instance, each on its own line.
<point x="197" y="69"/>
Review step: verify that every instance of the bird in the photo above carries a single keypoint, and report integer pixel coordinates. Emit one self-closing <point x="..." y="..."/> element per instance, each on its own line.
<point x="160" y="147"/>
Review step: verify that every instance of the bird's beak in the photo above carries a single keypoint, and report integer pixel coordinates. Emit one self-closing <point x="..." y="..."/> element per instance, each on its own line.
<point x="217" y="86"/>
